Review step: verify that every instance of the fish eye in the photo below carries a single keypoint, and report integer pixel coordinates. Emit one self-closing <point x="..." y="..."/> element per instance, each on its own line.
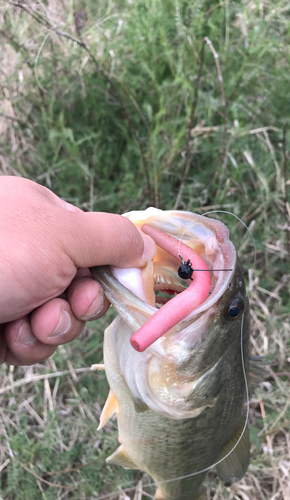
<point x="234" y="309"/>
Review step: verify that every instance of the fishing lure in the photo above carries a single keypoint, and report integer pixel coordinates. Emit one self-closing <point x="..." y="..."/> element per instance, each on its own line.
<point x="185" y="271"/>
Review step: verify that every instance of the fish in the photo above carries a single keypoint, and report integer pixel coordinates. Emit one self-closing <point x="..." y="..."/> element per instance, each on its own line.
<point x="180" y="400"/>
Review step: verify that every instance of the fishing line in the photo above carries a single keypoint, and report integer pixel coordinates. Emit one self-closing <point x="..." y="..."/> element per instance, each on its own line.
<point x="224" y="212"/>
<point x="180" y="241"/>
<point x="103" y="497"/>
<point x="240" y="220"/>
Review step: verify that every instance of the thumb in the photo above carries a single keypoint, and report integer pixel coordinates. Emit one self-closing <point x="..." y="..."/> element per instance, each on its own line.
<point x="98" y="238"/>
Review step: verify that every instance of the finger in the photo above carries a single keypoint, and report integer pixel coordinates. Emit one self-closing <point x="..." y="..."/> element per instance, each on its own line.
<point x="97" y="238"/>
<point x="54" y="323"/>
<point x="111" y="238"/>
<point x="23" y="347"/>
<point x="86" y="298"/>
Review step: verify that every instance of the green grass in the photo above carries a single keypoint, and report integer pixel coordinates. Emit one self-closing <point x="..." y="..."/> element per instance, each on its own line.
<point x="107" y="126"/>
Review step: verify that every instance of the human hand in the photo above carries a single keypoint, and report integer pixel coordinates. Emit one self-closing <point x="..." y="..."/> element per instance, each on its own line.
<point x="46" y="248"/>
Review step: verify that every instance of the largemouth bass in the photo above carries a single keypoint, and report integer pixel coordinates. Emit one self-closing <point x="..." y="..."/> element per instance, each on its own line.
<point x="180" y="402"/>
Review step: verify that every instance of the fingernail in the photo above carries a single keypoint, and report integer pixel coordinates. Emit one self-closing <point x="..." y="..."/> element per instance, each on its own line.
<point x="95" y="307"/>
<point x="25" y="335"/>
<point x="63" y="325"/>
<point x="150" y="248"/>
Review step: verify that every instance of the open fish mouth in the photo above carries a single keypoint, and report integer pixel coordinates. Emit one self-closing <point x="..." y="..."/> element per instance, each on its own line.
<point x="196" y="245"/>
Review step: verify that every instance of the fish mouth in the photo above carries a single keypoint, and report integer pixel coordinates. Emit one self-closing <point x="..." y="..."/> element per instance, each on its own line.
<point x="156" y="301"/>
<point x="196" y="255"/>
<point x="166" y="281"/>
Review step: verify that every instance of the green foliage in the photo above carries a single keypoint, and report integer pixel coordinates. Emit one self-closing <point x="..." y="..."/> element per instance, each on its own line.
<point x="80" y="136"/>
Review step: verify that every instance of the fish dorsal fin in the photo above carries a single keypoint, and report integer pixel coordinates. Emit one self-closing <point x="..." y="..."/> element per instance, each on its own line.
<point x="234" y="467"/>
<point x="111" y="407"/>
<point x="120" y="457"/>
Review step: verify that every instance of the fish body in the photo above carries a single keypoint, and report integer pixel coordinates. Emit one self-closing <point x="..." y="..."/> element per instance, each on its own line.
<point x="180" y="403"/>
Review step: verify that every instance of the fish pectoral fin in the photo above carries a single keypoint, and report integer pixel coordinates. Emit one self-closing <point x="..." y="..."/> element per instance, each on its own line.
<point x="234" y="467"/>
<point x="120" y="457"/>
<point x="111" y="407"/>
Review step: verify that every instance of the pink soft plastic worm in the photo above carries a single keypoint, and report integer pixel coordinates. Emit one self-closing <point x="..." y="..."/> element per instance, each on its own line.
<point x="182" y="304"/>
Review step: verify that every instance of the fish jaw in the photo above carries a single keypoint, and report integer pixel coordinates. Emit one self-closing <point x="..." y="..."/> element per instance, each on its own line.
<point x="209" y="238"/>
